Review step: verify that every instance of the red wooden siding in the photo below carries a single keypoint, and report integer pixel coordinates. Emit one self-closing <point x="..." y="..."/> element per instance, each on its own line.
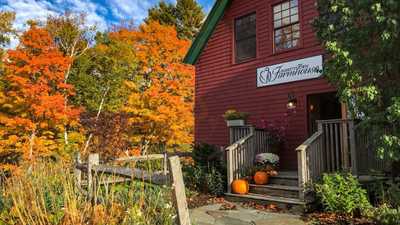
<point x="221" y="84"/>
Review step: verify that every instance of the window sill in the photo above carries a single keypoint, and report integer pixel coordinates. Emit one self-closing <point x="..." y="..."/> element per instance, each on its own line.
<point x="286" y="50"/>
<point x="245" y="61"/>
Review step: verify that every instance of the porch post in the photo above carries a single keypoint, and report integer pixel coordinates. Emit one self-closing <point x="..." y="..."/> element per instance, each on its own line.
<point x="231" y="135"/>
<point x="353" y="150"/>
<point x="229" y="169"/>
<point x="301" y="170"/>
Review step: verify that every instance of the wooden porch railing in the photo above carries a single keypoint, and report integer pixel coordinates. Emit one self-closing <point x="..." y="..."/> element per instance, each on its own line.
<point x="328" y="150"/>
<point x="247" y="143"/>
<point x="310" y="160"/>
<point x="338" y="145"/>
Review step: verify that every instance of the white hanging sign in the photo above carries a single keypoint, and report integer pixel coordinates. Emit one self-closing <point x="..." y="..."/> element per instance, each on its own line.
<point x="302" y="69"/>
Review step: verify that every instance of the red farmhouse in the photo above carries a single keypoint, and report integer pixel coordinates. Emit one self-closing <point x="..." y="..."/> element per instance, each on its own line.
<point x="243" y="37"/>
<point x="262" y="57"/>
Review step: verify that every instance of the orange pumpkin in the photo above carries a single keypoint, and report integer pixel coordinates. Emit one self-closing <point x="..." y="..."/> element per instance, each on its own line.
<point x="261" y="177"/>
<point x="240" y="187"/>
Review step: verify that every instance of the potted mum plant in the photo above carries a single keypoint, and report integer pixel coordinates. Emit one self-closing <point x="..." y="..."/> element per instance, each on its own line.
<point x="234" y="118"/>
<point x="266" y="165"/>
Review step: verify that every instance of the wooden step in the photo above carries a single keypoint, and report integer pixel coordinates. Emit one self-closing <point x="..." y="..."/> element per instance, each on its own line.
<point x="293" y="204"/>
<point x="285" y="178"/>
<point x="275" y="190"/>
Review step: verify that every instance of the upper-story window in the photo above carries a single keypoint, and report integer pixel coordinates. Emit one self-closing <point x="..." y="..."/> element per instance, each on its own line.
<point x="245" y="38"/>
<point x="286" y="25"/>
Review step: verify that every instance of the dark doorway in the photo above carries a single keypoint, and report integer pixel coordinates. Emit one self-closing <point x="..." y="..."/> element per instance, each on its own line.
<point x="325" y="106"/>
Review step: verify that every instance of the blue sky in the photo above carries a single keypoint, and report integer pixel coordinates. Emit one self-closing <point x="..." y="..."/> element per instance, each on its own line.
<point x="101" y="13"/>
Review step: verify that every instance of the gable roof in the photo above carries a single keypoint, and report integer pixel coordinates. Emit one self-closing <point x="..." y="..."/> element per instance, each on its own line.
<point x="206" y="31"/>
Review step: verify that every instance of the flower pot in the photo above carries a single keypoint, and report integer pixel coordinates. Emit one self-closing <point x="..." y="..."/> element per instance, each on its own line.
<point x="261" y="178"/>
<point x="235" y="123"/>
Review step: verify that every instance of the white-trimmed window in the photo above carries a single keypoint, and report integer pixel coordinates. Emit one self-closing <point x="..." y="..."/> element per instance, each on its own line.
<point x="286" y="25"/>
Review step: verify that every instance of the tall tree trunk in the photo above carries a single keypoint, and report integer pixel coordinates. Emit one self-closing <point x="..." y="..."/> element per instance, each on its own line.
<point x="97" y="118"/>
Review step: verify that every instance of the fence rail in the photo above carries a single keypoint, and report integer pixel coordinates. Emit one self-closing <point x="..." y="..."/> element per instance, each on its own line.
<point x="171" y="171"/>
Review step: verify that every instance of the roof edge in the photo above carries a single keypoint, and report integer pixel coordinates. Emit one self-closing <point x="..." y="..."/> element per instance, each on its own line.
<point x="206" y="31"/>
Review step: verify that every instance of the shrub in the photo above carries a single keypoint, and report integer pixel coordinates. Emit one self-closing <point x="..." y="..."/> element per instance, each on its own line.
<point x="215" y="182"/>
<point x="341" y="193"/>
<point x="385" y="192"/>
<point x="207" y="173"/>
<point x="386" y="216"/>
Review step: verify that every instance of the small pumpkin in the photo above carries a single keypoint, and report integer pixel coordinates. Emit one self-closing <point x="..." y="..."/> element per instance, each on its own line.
<point x="240" y="186"/>
<point x="261" y="177"/>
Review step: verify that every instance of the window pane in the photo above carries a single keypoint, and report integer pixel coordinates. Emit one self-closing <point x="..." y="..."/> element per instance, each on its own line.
<point x="293" y="10"/>
<point x="285" y="21"/>
<point x="285" y="13"/>
<point x="296" y="27"/>
<point x="296" y="35"/>
<point x="293" y="3"/>
<point x="278" y="32"/>
<point x="287" y="30"/>
<point x="277" y="23"/>
<point x="295" y="18"/>
<point x="295" y="42"/>
<point x="277" y="8"/>
<point x="245" y="27"/>
<point x="277" y="16"/>
<point x="245" y="49"/>
<point x="285" y="5"/>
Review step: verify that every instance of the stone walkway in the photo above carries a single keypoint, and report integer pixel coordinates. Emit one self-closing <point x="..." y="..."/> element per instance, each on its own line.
<point x="212" y="215"/>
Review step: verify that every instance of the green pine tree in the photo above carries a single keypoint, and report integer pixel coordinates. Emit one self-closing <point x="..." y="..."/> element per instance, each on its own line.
<point x="187" y="16"/>
<point x="164" y="13"/>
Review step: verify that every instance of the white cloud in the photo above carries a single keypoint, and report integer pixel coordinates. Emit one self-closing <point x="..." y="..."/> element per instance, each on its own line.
<point x="41" y="9"/>
<point x="28" y="9"/>
<point x="100" y="14"/>
<point x="132" y="9"/>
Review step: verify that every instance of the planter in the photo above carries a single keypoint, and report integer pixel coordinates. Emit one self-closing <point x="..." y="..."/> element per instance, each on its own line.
<point x="235" y="123"/>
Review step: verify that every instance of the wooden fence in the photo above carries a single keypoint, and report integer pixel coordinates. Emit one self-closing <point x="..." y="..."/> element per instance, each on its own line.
<point x="171" y="174"/>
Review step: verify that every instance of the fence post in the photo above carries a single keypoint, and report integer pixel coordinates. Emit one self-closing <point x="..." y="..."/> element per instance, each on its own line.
<point x="78" y="172"/>
<point x="353" y="150"/>
<point x="165" y="167"/>
<point x="179" y="191"/>
<point x="93" y="160"/>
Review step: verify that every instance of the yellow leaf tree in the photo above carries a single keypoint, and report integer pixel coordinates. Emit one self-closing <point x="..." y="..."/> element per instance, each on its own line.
<point x="160" y="106"/>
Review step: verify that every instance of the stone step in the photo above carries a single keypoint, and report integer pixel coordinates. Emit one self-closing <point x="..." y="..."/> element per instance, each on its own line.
<point x="275" y="190"/>
<point x="293" y="204"/>
<point x="284" y="179"/>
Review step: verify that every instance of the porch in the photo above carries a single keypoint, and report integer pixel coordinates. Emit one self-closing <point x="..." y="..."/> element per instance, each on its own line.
<point x="337" y="145"/>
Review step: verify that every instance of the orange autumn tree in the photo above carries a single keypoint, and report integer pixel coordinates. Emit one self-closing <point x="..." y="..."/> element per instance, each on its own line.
<point x="33" y="110"/>
<point x="160" y="106"/>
